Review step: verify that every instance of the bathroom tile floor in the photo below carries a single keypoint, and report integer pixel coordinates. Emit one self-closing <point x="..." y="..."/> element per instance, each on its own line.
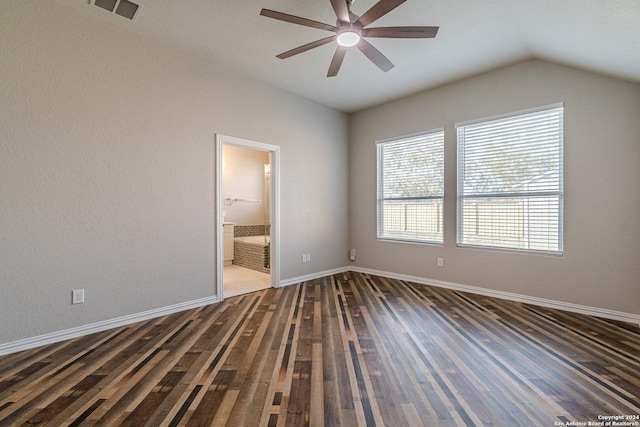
<point x="239" y="280"/>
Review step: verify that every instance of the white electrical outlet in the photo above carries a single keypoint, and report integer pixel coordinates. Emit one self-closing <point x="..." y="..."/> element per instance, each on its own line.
<point x="77" y="296"/>
<point x="440" y="262"/>
<point x="352" y="255"/>
<point x="308" y="257"/>
<point x="304" y="257"/>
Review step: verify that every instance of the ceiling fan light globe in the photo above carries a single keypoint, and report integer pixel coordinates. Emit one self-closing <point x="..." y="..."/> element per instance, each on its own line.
<point x="348" y="38"/>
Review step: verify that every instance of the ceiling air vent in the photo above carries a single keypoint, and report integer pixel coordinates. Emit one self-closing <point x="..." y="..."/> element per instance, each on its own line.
<point x="124" y="8"/>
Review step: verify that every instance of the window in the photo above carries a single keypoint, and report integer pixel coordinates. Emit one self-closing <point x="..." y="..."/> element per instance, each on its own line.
<point x="510" y="182"/>
<point x="411" y="188"/>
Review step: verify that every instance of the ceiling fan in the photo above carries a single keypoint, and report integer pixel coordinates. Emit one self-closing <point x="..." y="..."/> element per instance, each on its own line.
<point x="350" y="30"/>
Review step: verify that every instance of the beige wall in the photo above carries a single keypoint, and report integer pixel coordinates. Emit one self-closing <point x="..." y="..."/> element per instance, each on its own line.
<point x="601" y="262"/>
<point x="107" y="175"/>
<point x="107" y="143"/>
<point x="243" y="178"/>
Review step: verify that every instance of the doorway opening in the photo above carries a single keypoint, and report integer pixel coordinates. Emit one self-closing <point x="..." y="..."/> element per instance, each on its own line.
<point x="247" y="216"/>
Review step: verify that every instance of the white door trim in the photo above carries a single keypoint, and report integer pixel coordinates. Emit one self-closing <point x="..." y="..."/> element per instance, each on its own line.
<point x="274" y="160"/>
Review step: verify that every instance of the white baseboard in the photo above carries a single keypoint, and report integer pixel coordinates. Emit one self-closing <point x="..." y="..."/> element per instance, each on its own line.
<point x="313" y="276"/>
<point x="559" y="305"/>
<point x="40" y="340"/>
<point x="28" y="343"/>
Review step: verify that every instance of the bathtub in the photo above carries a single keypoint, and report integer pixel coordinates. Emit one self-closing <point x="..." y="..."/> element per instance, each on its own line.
<point x="255" y="240"/>
<point x="252" y="252"/>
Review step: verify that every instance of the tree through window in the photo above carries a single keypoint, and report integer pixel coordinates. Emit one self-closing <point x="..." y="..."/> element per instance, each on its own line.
<point x="510" y="184"/>
<point x="411" y="188"/>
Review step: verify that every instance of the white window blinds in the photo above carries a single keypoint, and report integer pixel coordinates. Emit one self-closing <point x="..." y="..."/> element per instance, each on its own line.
<point x="510" y="184"/>
<point x="411" y="188"/>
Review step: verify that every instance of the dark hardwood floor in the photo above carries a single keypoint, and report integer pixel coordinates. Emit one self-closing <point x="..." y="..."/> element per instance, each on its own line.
<point x="349" y="349"/>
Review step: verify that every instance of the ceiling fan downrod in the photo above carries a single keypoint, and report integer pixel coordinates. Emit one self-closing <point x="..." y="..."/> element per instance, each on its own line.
<point x="352" y="16"/>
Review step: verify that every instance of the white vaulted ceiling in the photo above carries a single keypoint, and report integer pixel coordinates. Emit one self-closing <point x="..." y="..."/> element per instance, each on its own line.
<point x="475" y="36"/>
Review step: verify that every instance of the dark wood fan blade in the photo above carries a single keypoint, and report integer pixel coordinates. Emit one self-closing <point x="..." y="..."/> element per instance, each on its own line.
<point x="341" y="10"/>
<point x="297" y="20"/>
<point x="378" y="10"/>
<point x="401" y="32"/>
<point x="375" y="55"/>
<point x="306" y="47"/>
<point x="336" y="62"/>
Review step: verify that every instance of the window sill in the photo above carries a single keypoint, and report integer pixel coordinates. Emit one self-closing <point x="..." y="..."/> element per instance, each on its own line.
<point x="512" y="250"/>
<point x="409" y="241"/>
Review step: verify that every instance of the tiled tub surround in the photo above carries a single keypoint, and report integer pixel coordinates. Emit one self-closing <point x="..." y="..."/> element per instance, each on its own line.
<point x="251" y="230"/>
<point x="251" y="253"/>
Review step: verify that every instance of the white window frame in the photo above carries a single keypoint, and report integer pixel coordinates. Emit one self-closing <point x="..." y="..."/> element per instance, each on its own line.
<point x="490" y="199"/>
<point x="423" y="201"/>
